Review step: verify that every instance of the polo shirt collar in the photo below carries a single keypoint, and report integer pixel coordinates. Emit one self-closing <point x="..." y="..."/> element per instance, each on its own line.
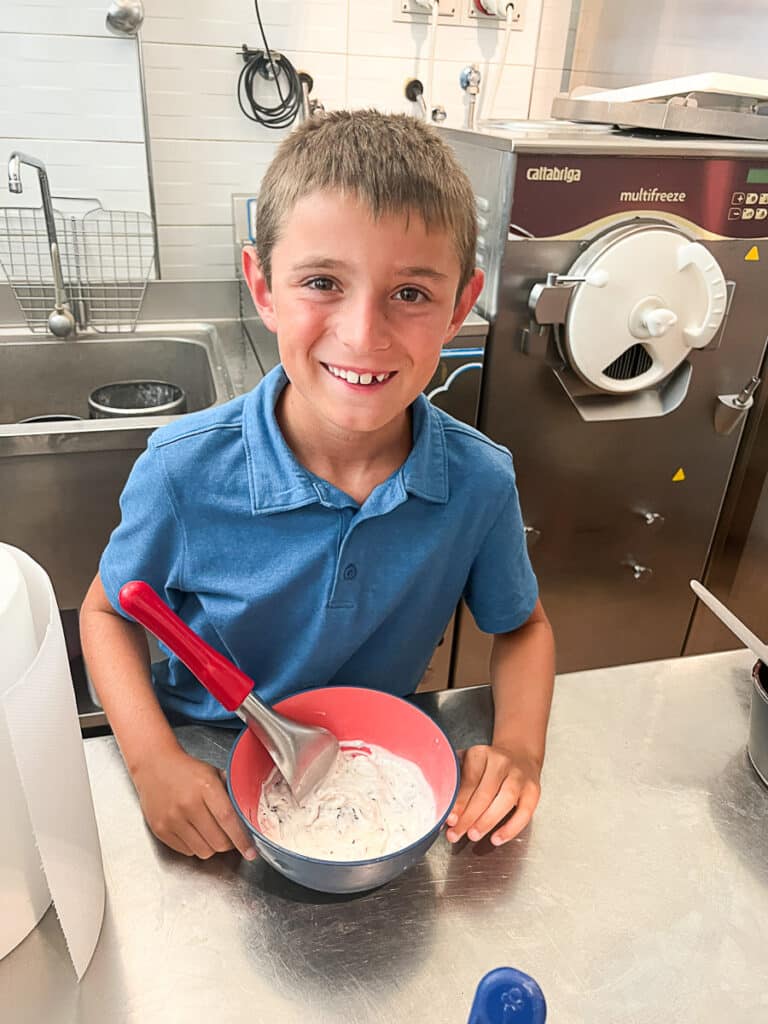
<point x="425" y="471"/>
<point x="278" y="482"/>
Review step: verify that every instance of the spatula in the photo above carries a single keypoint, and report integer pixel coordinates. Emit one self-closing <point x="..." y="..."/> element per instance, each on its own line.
<point x="303" y="754"/>
<point x="736" y="626"/>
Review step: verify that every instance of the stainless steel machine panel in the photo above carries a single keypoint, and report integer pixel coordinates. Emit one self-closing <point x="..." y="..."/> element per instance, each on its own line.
<point x="492" y="181"/>
<point x="738" y="567"/>
<point x="622" y="483"/>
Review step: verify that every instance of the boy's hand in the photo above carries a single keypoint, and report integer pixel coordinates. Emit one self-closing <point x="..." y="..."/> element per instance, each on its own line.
<point x="494" y="780"/>
<point x="187" y="807"/>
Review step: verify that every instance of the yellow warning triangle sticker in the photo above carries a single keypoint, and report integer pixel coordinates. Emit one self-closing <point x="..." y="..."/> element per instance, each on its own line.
<point x="679" y="475"/>
<point x="753" y="256"/>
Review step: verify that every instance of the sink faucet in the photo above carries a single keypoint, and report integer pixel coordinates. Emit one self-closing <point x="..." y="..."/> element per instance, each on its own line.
<point x="61" y="322"/>
<point x="469" y="80"/>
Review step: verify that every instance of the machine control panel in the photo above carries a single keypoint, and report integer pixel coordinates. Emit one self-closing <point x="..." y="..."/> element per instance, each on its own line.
<point x="556" y="195"/>
<point x="749" y="205"/>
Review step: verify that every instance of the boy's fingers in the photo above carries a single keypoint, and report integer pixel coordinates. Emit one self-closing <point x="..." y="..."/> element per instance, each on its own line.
<point x="471" y="772"/>
<point x="484" y="793"/>
<point x="178" y="834"/>
<point x="194" y="841"/>
<point x="212" y="833"/>
<point x="228" y="822"/>
<point x="481" y="799"/>
<point x="526" y="805"/>
<point x="499" y="808"/>
<point x="177" y="843"/>
<point x="200" y="821"/>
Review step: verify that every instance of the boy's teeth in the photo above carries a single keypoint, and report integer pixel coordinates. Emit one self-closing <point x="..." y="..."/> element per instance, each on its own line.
<point x="358" y="378"/>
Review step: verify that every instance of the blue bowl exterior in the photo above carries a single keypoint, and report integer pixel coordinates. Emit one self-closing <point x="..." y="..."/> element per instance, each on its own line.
<point x="339" y="876"/>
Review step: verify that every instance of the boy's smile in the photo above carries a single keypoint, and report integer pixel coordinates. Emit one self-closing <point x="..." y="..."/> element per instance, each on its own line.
<point x="357" y="378"/>
<point x="361" y="308"/>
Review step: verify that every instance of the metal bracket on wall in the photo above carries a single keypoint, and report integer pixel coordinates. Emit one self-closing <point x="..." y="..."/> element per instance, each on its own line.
<point x="413" y="11"/>
<point x="464" y="13"/>
<point x="492" y="13"/>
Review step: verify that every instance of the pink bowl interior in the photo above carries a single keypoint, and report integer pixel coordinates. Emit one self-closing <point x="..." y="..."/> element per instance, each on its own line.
<point x="352" y="713"/>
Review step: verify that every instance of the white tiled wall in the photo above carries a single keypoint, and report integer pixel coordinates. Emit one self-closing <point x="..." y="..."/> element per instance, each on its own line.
<point x="75" y="90"/>
<point x="69" y="94"/>
<point x="625" y="43"/>
<point x="559" y="22"/>
<point x="204" y="149"/>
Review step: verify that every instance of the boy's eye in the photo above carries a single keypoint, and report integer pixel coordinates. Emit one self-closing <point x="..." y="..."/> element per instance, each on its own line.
<point x="410" y="295"/>
<point x="320" y="284"/>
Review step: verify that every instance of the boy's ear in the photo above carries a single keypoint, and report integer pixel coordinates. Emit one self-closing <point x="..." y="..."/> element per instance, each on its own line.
<point x="467" y="299"/>
<point x="258" y="287"/>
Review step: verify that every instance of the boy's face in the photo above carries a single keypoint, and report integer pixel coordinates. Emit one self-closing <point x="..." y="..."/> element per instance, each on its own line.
<point x="361" y="309"/>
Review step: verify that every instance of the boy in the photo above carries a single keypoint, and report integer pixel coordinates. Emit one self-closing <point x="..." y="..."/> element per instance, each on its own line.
<point x="322" y="528"/>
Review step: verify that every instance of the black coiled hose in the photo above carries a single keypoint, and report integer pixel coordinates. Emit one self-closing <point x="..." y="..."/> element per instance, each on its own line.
<point x="277" y="67"/>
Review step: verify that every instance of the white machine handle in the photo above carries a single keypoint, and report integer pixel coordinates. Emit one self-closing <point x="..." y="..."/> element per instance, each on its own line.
<point x="659" y="321"/>
<point x="695" y="255"/>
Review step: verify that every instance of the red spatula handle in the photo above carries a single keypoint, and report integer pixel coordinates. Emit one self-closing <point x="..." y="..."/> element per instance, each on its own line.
<point x="218" y="675"/>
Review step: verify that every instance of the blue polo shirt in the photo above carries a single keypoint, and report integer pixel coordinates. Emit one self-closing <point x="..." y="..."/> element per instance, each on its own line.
<point x="293" y="580"/>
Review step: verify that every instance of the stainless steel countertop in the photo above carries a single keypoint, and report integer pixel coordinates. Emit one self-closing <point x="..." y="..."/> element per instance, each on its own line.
<point x="639" y="893"/>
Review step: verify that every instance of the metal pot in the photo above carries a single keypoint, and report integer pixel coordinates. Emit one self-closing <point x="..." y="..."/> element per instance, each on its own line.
<point x="136" y="398"/>
<point x="757" y="745"/>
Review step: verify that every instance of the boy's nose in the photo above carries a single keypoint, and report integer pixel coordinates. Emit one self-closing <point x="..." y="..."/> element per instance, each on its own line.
<point x="364" y="327"/>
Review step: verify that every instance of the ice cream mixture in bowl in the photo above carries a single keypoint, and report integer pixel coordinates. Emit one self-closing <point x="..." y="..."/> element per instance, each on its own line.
<point x="377" y="812"/>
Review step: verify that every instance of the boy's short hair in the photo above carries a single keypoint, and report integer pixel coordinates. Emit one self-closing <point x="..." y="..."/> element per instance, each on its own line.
<point x="392" y="163"/>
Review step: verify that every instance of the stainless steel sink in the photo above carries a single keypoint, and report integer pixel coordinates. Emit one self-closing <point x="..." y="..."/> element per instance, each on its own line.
<point x="60" y="481"/>
<point x="46" y="378"/>
<point x="42" y="376"/>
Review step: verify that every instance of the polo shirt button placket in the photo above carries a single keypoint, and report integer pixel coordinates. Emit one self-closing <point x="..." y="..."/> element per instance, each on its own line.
<point x="345" y="591"/>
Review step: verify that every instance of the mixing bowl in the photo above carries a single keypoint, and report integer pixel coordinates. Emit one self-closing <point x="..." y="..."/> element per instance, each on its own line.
<point x="351" y="713"/>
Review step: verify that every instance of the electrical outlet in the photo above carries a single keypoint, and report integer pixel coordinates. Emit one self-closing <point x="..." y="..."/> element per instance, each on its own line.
<point x="244" y="218"/>
<point x="413" y="11"/>
<point x="493" y="13"/>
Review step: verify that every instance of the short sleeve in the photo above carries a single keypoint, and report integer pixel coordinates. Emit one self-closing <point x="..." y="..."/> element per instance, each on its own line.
<point x="148" y="544"/>
<point x="501" y="590"/>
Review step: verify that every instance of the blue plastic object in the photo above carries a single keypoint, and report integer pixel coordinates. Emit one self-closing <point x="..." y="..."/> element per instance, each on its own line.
<point x="507" y="996"/>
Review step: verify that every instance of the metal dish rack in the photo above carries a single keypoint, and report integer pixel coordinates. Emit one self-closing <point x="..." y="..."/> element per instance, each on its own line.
<point x="107" y="259"/>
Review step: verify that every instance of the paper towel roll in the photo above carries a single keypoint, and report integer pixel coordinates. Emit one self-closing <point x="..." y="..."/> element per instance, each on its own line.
<point x="43" y="742"/>
<point x="24" y="895"/>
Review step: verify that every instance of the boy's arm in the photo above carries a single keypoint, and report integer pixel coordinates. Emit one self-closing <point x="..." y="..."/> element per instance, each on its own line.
<point x="183" y="799"/>
<point x="505" y="775"/>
